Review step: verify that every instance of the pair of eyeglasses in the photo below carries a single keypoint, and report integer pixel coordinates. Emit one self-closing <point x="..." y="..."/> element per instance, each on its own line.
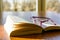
<point x="42" y="20"/>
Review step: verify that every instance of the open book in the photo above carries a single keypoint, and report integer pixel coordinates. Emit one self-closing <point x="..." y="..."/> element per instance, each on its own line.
<point x="16" y="26"/>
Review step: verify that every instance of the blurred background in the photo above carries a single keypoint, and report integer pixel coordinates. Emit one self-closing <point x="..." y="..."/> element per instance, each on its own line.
<point x="53" y="10"/>
<point x="22" y="8"/>
<point x="27" y="8"/>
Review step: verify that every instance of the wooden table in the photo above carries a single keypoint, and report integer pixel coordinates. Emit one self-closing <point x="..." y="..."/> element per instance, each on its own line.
<point x="55" y="35"/>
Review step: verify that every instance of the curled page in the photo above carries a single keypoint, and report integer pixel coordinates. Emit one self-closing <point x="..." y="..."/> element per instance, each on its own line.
<point x="10" y="20"/>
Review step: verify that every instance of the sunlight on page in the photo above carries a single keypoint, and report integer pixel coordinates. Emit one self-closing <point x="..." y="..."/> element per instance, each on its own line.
<point x="12" y="20"/>
<point x="8" y="25"/>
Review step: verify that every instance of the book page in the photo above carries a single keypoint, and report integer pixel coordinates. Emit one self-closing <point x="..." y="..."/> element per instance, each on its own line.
<point x="8" y="26"/>
<point x="48" y="24"/>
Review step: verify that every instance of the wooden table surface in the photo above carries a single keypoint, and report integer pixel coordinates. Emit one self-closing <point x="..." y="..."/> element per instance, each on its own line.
<point x="54" y="35"/>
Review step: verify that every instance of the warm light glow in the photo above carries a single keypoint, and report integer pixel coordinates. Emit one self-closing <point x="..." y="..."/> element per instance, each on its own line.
<point x="13" y="20"/>
<point x="8" y="25"/>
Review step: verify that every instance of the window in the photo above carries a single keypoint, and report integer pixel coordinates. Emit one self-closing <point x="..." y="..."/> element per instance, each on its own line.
<point x="21" y="8"/>
<point x="53" y="5"/>
<point x="19" y="5"/>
